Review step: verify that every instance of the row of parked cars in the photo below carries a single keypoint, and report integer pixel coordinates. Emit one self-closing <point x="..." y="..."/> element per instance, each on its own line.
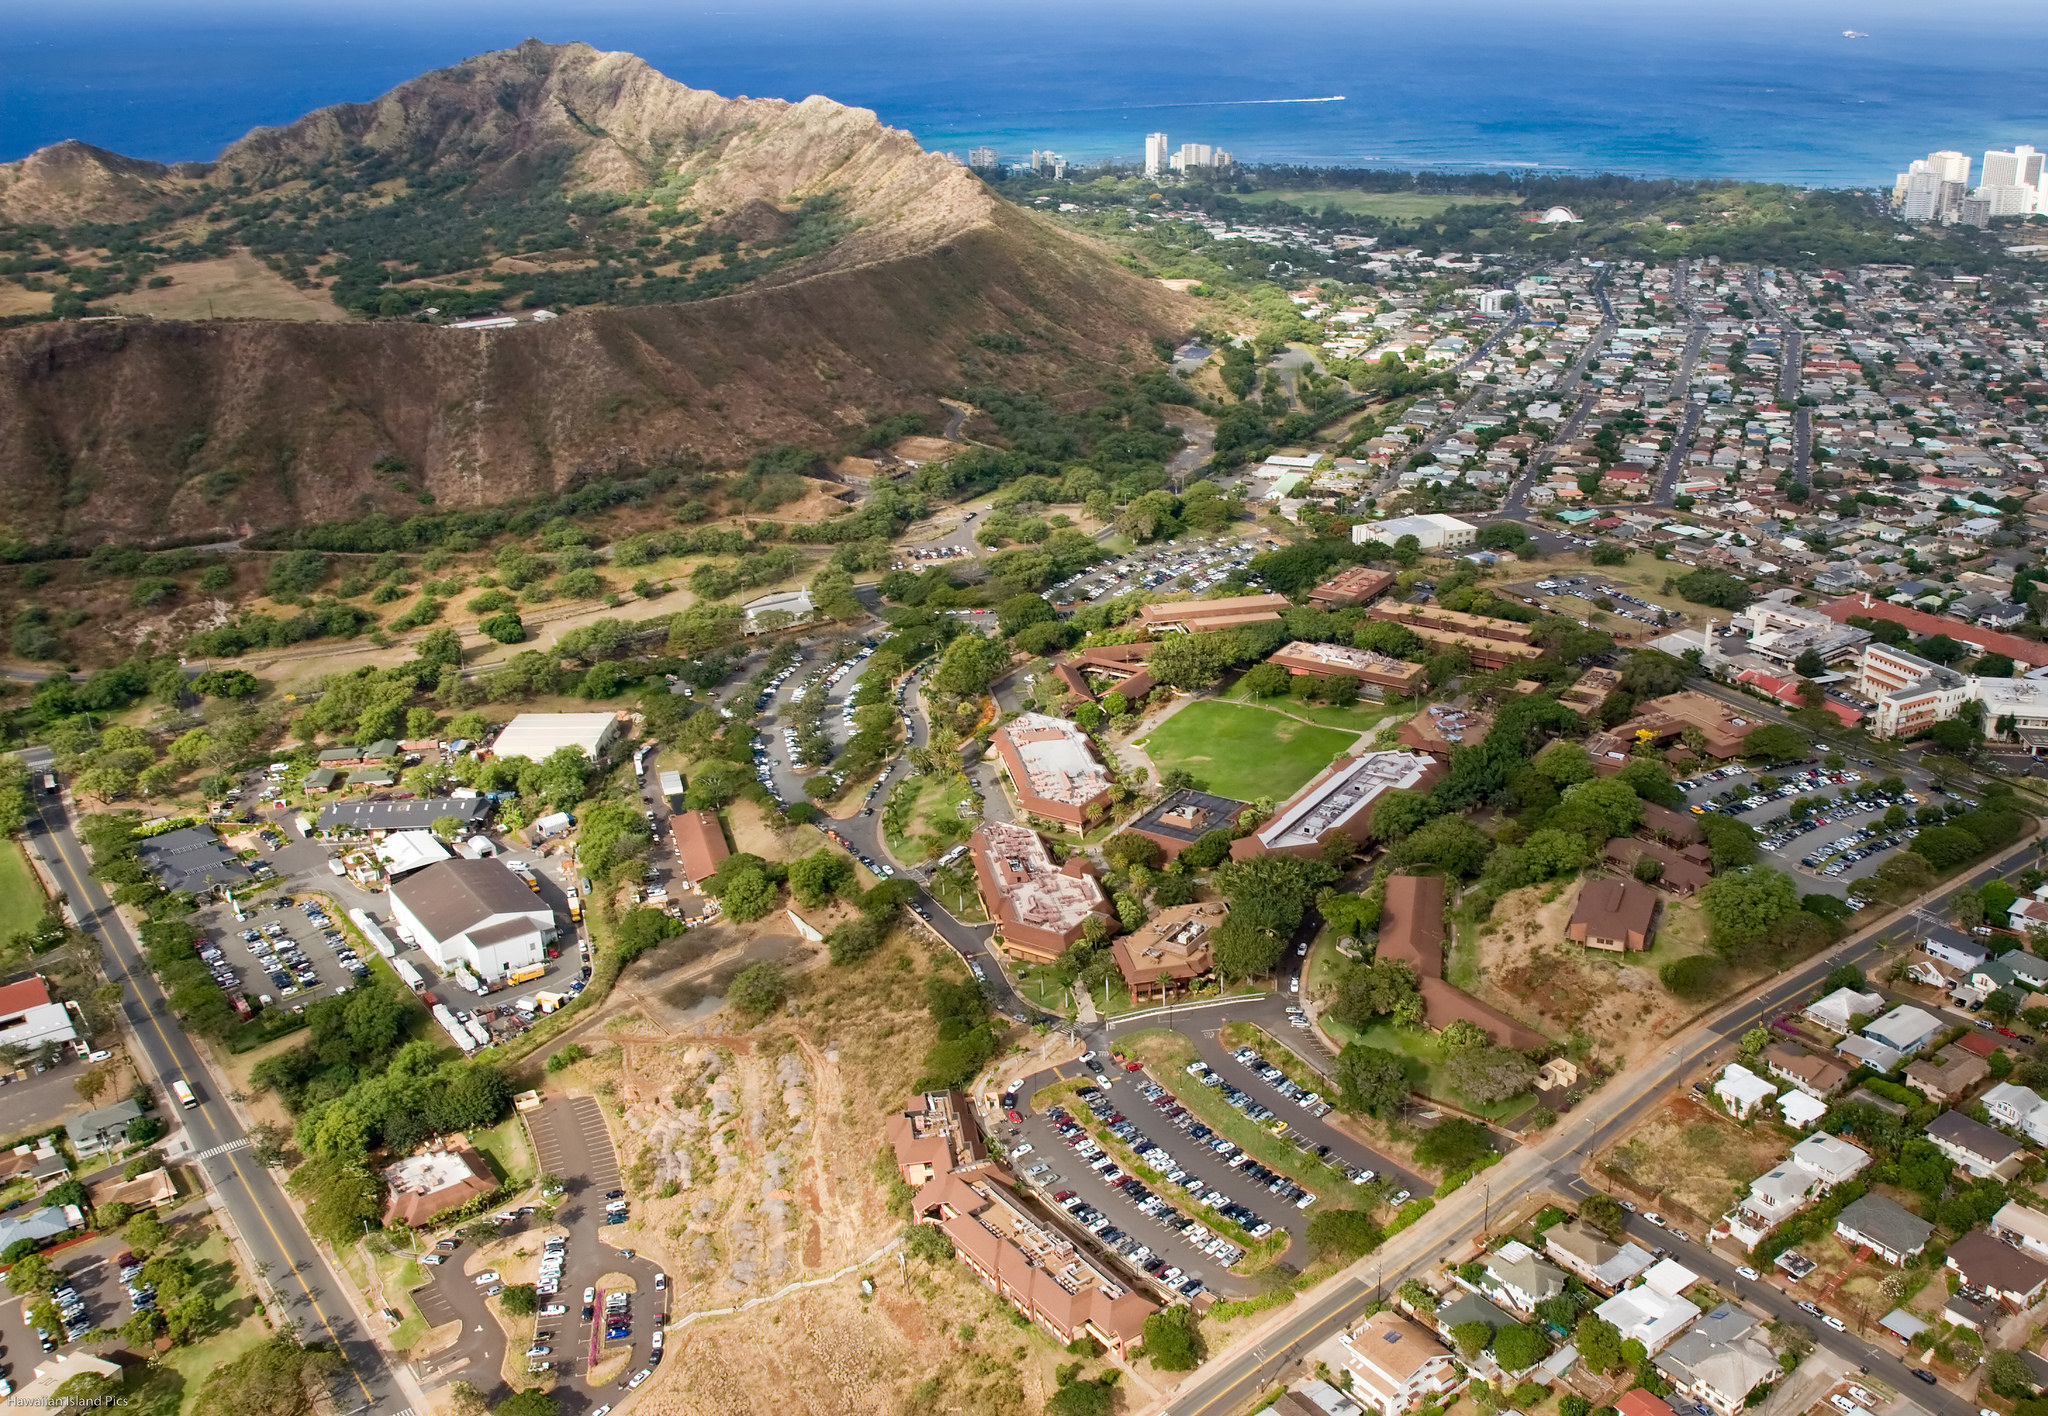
<point x="1161" y="1160"/>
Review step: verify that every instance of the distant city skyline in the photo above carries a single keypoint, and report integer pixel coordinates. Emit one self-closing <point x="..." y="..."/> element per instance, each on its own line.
<point x="1937" y="187"/>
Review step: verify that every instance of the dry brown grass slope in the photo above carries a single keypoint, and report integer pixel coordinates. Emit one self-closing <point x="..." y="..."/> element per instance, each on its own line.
<point x="152" y="429"/>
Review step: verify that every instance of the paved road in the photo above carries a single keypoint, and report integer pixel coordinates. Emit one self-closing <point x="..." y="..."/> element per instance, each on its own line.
<point x="1554" y="1165"/>
<point x="299" y="1278"/>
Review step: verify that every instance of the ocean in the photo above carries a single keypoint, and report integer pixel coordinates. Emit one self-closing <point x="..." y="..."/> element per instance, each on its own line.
<point x="1741" y="89"/>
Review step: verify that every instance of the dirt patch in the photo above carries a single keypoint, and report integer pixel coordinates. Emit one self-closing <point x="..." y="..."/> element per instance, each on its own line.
<point x="752" y="835"/>
<point x="1687" y="1157"/>
<point x="1527" y="968"/>
<point x="237" y="286"/>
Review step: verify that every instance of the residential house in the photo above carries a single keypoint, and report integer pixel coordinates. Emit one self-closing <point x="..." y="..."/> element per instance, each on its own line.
<point x="2018" y="970"/>
<point x="1719" y="1361"/>
<point x="2022" y="1225"/>
<point x="1815" y="1166"/>
<point x="1960" y="953"/>
<point x="1991" y="1266"/>
<point x="1947" y="1077"/>
<point x="1872" y="1054"/>
<point x="1936" y="974"/>
<point x="2020" y="1108"/>
<point x="1905" y="1029"/>
<point x="104" y="1128"/>
<point x="1816" y="1076"/>
<point x="1652" y="1318"/>
<point x="1838" y="1011"/>
<point x="1395" y="1366"/>
<point x="31" y="1018"/>
<point x="1582" y="1250"/>
<point x="1638" y="1402"/>
<point x="1885" y="1227"/>
<point x="1974" y="1146"/>
<point x="1517" y="1277"/>
<point x="1741" y="1090"/>
<point x="1614" y="914"/>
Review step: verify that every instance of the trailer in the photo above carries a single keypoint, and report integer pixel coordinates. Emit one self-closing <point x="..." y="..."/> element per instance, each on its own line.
<point x="373" y="932"/>
<point x="412" y="977"/>
<point x="575" y="906"/>
<point x="453" y="1028"/>
<point x="478" y="1031"/>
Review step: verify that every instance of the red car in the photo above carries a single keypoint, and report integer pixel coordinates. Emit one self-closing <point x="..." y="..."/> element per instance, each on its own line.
<point x="1015" y="1119"/>
<point x="1134" y="1066"/>
<point x="2007" y="1032"/>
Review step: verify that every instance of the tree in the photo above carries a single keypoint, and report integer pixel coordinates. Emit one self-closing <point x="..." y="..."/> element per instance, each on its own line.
<point x="1078" y="1398"/>
<point x="1729" y="842"/>
<point x="1565" y="764"/>
<point x="268" y="1380"/>
<point x="1128" y="848"/>
<point x="33" y="1273"/>
<point x="1453" y="1143"/>
<point x="2009" y="1375"/>
<point x="1345" y="1233"/>
<point x="1472" y="1338"/>
<point x="1397" y="813"/>
<point x="970" y="664"/>
<point x="1608" y="805"/>
<point x="1598" y="1340"/>
<point x="506" y="627"/>
<point x="1173" y="1339"/>
<point x="1450" y="843"/>
<point x="1713" y="587"/>
<point x="226" y="683"/>
<point x="531" y="1402"/>
<point x="1267" y="680"/>
<point x="1743" y="904"/>
<point x="816" y="878"/>
<point x="1490" y="1073"/>
<point x="1695" y="978"/>
<point x="1605" y="1214"/>
<point x="929" y="1243"/>
<point x="1519" y="1346"/>
<point x="744" y="891"/>
<point x="758" y="990"/>
<point x="1774" y="742"/>
<point x="519" y="1299"/>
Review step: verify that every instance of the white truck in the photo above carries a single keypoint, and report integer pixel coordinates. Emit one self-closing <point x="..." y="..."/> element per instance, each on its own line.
<point x="373" y="932"/>
<point x="413" y="978"/>
<point x="453" y="1028"/>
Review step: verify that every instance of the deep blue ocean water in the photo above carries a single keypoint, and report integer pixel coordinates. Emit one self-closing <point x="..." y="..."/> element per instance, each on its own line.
<point x="1737" y="89"/>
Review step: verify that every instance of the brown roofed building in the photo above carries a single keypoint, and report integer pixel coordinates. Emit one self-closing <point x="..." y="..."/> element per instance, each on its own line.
<point x="146" y="1191"/>
<point x="1327" y="661"/>
<point x="1123" y="664"/>
<point x="1663" y="719"/>
<point x="1358" y="585"/>
<point x="1173" y="948"/>
<point x="1947" y="1078"/>
<point x="1684" y="871"/>
<point x="1818" y="1077"/>
<point x="447" y="1174"/>
<point x="1412" y="931"/>
<point x="1613" y="914"/>
<point x="700" y="844"/>
<point x="2012" y="1276"/>
<point x="1585" y="697"/>
<point x="1031" y="1266"/>
<point x="1052" y="768"/>
<point x="1201" y="616"/>
<point x="1039" y="908"/>
<point x="936" y="1134"/>
<point x="1439" y="729"/>
<point x="1681" y="828"/>
<point x="1184" y="817"/>
<point x="1487" y="653"/>
<point x="1395" y="1366"/>
<point x="1421" y="617"/>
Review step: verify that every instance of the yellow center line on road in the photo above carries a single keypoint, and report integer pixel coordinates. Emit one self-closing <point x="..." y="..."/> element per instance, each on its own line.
<point x="156" y="1023"/>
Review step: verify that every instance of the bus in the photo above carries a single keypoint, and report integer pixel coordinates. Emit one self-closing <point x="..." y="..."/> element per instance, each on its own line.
<point x="184" y="1094"/>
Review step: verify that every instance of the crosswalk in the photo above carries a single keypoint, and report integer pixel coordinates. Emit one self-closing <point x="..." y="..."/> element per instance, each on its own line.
<point x="243" y="1144"/>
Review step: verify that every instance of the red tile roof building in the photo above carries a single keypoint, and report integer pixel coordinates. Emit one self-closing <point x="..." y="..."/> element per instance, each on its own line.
<point x="2025" y="653"/>
<point x="1613" y="914"/>
<point x="1358" y="585"/>
<point x="1412" y="931"/>
<point x="1172" y="949"/>
<point x="1052" y="768"/>
<point x="935" y="1134"/>
<point x="700" y="844"/>
<point x="1326" y="661"/>
<point x="1039" y="908"/>
<point x="1201" y="616"/>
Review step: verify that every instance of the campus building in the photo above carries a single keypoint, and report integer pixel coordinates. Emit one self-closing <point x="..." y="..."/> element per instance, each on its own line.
<point x="1412" y="931"/>
<point x="1349" y="588"/>
<point x="935" y="1134"/>
<point x="700" y="845"/>
<point x="1203" y="616"/>
<point x="1052" y="768"/>
<point x="1613" y="914"/>
<point x="1339" y="798"/>
<point x="1039" y="908"/>
<point x="2025" y="653"/>
<point x="1183" y="817"/>
<point x="1170" y="950"/>
<point x="1367" y="666"/>
<point x="446" y="1175"/>
<point x="1031" y="1266"/>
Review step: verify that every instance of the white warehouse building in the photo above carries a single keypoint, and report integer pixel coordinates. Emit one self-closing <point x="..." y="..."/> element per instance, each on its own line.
<point x="1432" y="530"/>
<point x="474" y="912"/>
<point x="537" y="735"/>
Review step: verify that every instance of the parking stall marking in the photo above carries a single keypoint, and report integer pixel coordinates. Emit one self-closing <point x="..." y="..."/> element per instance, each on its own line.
<point x="434" y="1305"/>
<point x="601" y="1159"/>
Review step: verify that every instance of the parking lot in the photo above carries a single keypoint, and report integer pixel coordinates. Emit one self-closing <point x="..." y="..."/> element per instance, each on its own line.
<point x="279" y="953"/>
<point x="1839" y="841"/>
<point x="1195" y="564"/>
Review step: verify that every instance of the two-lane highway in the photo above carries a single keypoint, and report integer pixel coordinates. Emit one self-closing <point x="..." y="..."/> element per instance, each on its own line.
<point x="299" y="1278"/>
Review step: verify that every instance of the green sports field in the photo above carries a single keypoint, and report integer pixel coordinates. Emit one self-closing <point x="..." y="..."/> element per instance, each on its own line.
<point x="1243" y="752"/>
<point x="21" y="896"/>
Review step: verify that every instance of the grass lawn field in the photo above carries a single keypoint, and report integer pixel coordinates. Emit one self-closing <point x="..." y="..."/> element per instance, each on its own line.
<point x="1242" y="752"/>
<point x="1361" y="717"/>
<point x="1425" y="1055"/>
<point x="21" y="894"/>
<point x="1401" y="205"/>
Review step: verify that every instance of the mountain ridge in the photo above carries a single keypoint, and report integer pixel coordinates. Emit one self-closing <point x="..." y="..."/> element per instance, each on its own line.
<point x="145" y="429"/>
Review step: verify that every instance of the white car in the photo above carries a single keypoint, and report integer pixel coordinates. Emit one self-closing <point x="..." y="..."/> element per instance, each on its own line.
<point x="1834" y="1322"/>
<point x="436" y="1259"/>
<point x="1843" y="1404"/>
<point x="1024" y="1149"/>
<point x="1747" y="1272"/>
<point x="487" y="1276"/>
<point x="638" y="1377"/>
<point x="1656" y="1219"/>
<point x="553" y="1310"/>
